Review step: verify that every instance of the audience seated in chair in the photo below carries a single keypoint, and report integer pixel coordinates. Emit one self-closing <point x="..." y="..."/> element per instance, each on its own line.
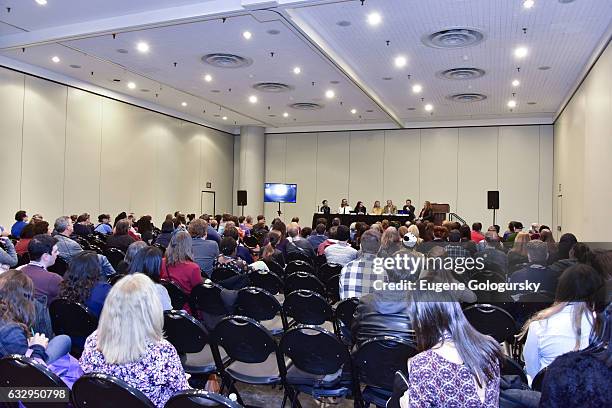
<point x="357" y="277"/>
<point x="43" y="252"/>
<point x="104" y="226"/>
<point x="133" y="349"/>
<point x="120" y="239"/>
<point x="297" y="243"/>
<point x="390" y="242"/>
<point x="124" y="265"/>
<point x="341" y="252"/>
<point x="8" y="255"/>
<point x="537" y="271"/>
<point x="178" y="265"/>
<point x="204" y="251"/>
<point x="148" y="261"/>
<point x="163" y="238"/>
<point x="270" y="252"/>
<point x="493" y="257"/>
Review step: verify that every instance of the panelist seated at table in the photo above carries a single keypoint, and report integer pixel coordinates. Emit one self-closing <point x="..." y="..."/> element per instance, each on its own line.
<point x="344" y="208"/>
<point x="390" y="208"/>
<point x="325" y="208"/>
<point x="409" y="209"/>
<point x="360" y="208"/>
<point x="426" y="213"/>
<point x="376" y="208"/>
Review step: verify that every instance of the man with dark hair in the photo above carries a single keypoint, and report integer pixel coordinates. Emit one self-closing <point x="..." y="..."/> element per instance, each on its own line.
<point x="298" y="244"/>
<point x="43" y="252"/>
<point x="409" y="210"/>
<point x="318" y="237"/>
<point x="493" y="257"/>
<point x="476" y="235"/>
<point x="260" y="228"/>
<point x="336" y="221"/>
<point x="204" y="251"/>
<point x="341" y="252"/>
<point x="537" y="271"/>
<point x="357" y="277"/>
<point x="329" y="241"/>
<point x="306" y="232"/>
<point x="104" y="224"/>
<point x="21" y="220"/>
<point x="242" y="252"/>
<point x="455" y="248"/>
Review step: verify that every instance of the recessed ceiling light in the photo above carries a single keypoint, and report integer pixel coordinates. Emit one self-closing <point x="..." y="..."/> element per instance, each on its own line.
<point x="544" y="68"/>
<point x="329" y="94"/>
<point x="531" y="103"/>
<point x="215" y="91"/>
<point x="145" y="90"/>
<point x="512" y="104"/>
<point x="297" y="70"/>
<point x="116" y="80"/>
<point x="528" y="4"/>
<point x="374" y="19"/>
<point x="247" y="35"/>
<point x="369" y="110"/>
<point x="75" y="66"/>
<point x="273" y="31"/>
<point x="253" y="99"/>
<point x="516" y="83"/>
<point x="122" y="51"/>
<point x="207" y="77"/>
<point x="285" y="115"/>
<point x="411" y="109"/>
<point x="142" y="47"/>
<point x="520" y="52"/>
<point x="400" y="61"/>
<point x="429" y="107"/>
<point x="417" y="88"/>
<point x="224" y="118"/>
<point x="131" y="85"/>
<point x="183" y="103"/>
<point x="353" y="111"/>
<point x="343" y="23"/>
<point x="42" y="2"/>
<point x="55" y="59"/>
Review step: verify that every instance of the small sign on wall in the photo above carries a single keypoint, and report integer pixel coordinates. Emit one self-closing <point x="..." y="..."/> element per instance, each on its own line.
<point x="208" y="184"/>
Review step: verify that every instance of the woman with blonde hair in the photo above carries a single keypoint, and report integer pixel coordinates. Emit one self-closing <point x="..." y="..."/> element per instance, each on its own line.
<point x="390" y="242"/>
<point x="412" y="228"/>
<point x="565" y="326"/>
<point x="517" y="256"/>
<point x="129" y="342"/>
<point x="178" y="265"/>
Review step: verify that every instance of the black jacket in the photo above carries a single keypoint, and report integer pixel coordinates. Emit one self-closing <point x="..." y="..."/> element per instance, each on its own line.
<point x="383" y="313"/>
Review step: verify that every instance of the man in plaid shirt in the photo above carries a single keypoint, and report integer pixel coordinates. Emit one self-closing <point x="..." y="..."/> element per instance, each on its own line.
<point x="456" y="248"/>
<point x="357" y="277"/>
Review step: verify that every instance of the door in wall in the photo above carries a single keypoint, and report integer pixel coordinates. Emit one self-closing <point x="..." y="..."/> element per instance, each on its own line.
<point x="208" y="202"/>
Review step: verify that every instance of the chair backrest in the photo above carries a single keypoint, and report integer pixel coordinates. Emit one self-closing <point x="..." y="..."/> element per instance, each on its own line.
<point x="378" y="358"/>
<point x="298" y="256"/>
<point x="538" y="380"/>
<point x="257" y="304"/>
<point x="275" y="267"/>
<point x="199" y="399"/>
<point x="177" y="296"/>
<point x="102" y="391"/>
<point x="314" y="350"/>
<point x="303" y="280"/>
<point x="207" y="298"/>
<point x="299" y="266"/>
<point x="319" y="260"/>
<point x="96" y="249"/>
<point x="160" y="247"/>
<point x="510" y="367"/>
<point x="491" y="320"/>
<point x="345" y="311"/>
<point x="269" y="281"/>
<point x="60" y="266"/>
<point x="114" y="255"/>
<point x="307" y="307"/>
<point x="332" y="288"/>
<point x="243" y="339"/>
<point x="221" y="274"/>
<point x="184" y="332"/>
<point x="327" y="270"/>
<point x="115" y="278"/>
<point x="73" y="319"/>
<point x="23" y="259"/>
<point x="488" y="276"/>
<point x="82" y="242"/>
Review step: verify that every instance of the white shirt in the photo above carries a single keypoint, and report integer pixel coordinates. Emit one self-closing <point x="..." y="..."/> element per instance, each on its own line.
<point x="548" y="339"/>
<point x="345" y="210"/>
<point x="340" y="253"/>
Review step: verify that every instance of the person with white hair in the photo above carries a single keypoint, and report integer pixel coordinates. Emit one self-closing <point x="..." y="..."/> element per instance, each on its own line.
<point x="134" y="349"/>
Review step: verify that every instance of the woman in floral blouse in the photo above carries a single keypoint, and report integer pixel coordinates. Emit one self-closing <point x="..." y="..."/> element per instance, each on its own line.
<point x="133" y="349"/>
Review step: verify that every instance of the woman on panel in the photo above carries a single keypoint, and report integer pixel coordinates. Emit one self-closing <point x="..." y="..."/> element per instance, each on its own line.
<point x="359" y="208"/>
<point x="135" y="350"/>
<point x="426" y="213"/>
<point x="376" y="208"/>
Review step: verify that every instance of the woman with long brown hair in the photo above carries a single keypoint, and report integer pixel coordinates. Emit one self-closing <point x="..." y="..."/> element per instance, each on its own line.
<point x="426" y="213"/>
<point x="517" y="256"/>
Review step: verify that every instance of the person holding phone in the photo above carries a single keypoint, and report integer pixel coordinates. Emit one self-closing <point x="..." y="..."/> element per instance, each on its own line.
<point x="8" y="255"/>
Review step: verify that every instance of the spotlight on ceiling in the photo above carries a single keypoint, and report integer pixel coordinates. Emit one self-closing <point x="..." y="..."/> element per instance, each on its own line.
<point x="528" y="4"/>
<point x="329" y="94"/>
<point x="520" y="52"/>
<point x="374" y="19"/>
<point x="512" y="104"/>
<point x="42" y="2"/>
<point x="297" y="70"/>
<point x="353" y="111"/>
<point x="142" y="47"/>
<point x="429" y="107"/>
<point x="253" y="99"/>
<point x="417" y="88"/>
<point x="208" y="77"/>
<point x="247" y="35"/>
<point x="400" y="61"/>
<point x="131" y="85"/>
<point x="224" y="118"/>
<point x="285" y="115"/>
<point x="55" y="59"/>
<point x="516" y="83"/>
<point x="183" y="104"/>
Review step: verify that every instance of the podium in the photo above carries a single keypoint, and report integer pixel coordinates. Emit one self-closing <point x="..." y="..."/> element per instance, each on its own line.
<point x="439" y="212"/>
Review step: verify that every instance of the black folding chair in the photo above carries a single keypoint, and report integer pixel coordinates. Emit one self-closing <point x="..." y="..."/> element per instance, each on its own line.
<point x="218" y="275"/>
<point x="269" y="281"/>
<point x="114" y="255"/>
<point x="299" y="266"/>
<point x="319" y="260"/>
<point x="344" y="313"/>
<point x="160" y="247"/>
<point x="298" y="256"/>
<point x="308" y="307"/>
<point x="74" y="320"/>
<point x="493" y="321"/>
<point x="303" y="280"/>
<point x="207" y="298"/>
<point x="275" y="268"/>
<point x="23" y="259"/>
<point x="115" y="278"/>
<point x="332" y="289"/>
<point x="318" y="358"/>
<point x="98" y="390"/>
<point x="327" y="270"/>
<point x="257" y="359"/>
<point x="84" y="243"/>
<point x="509" y="366"/>
<point x="262" y="306"/>
<point x="190" y="339"/>
<point x="200" y="399"/>
<point x="375" y="362"/>
<point x="60" y="266"/>
<point x="17" y="371"/>
<point x="178" y="298"/>
<point x="538" y="380"/>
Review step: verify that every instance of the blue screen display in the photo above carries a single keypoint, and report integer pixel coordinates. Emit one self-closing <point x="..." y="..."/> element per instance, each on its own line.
<point x="280" y="193"/>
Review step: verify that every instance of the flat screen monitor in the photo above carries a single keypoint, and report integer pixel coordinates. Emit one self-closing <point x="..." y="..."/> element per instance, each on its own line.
<point x="280" y="193"/>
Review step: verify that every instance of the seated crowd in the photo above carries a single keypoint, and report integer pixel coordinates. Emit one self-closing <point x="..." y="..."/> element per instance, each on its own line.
<point x="567" y="336"/>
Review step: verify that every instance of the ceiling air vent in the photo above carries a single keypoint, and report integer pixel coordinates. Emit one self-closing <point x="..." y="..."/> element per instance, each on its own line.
<point x="467" y="97"/>
<point x="222" y="60"/>
<point x="462" y="73"/>
<point x="453" y="38"/>
<point x="306" y="106"/>
<point x="274" y="87"/>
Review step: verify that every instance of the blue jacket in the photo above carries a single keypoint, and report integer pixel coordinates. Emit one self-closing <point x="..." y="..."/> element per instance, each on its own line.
<point x="13" y="340"/>
<point x="17" y="227"/>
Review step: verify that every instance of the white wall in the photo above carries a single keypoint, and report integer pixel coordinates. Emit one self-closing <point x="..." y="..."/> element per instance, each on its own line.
<point x="455" y="166"/>
<point x="66" y="151"/>
<point x="582" y="149"/>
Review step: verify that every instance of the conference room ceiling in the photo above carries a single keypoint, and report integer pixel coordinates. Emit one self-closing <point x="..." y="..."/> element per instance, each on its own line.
<point x="355" y="70"/>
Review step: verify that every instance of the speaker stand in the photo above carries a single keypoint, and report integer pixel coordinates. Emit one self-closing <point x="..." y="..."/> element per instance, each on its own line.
<point x="242" y="210"/>
<point x="279" y="209"/>
<point x="494" y="216"/>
